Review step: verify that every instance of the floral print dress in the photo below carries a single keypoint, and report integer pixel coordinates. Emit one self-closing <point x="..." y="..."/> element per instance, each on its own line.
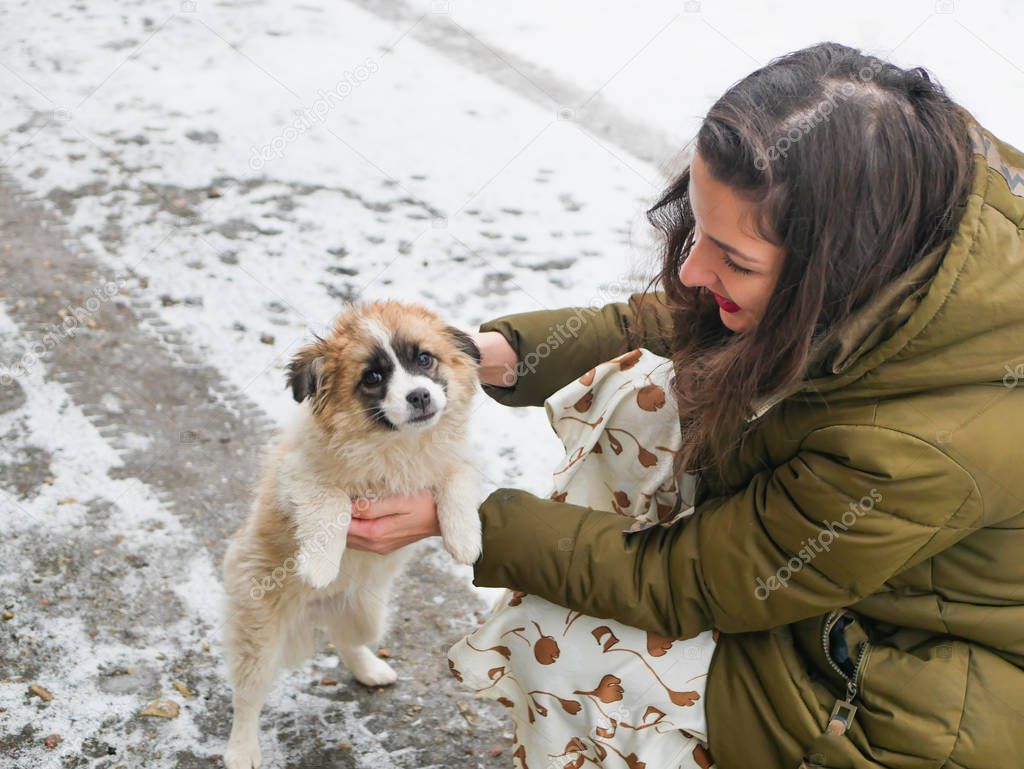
<point x="587" y="691"/>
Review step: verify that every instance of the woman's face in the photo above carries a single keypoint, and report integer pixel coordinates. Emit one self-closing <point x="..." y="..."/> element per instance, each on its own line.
<point x="728" y="258"/>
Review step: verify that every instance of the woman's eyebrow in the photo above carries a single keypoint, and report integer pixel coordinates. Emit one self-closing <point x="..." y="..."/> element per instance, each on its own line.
<point x="733" y="251"/>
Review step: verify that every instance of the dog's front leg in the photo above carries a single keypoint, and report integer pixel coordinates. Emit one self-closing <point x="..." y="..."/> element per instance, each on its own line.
<point x="458" y="502"/>
<point x="321" y="527"/>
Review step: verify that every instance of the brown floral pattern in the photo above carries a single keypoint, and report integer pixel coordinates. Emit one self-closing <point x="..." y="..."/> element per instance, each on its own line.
<point x="584" y="691"/>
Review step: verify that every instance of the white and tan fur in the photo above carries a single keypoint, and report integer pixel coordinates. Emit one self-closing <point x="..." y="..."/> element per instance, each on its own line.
<point x="287" y="570"/>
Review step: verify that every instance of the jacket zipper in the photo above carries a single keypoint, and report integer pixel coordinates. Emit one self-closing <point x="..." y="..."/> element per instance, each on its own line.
<point x="766" y="405"/>
<point x="844" y="710"/>
<point x="769" y="402"/>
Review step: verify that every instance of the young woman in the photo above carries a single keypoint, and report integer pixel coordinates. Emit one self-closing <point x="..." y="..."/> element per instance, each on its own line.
<point x="842" y="299"/>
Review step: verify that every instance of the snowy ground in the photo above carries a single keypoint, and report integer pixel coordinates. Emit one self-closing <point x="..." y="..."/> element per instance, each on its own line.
<point x="219" y="177"/>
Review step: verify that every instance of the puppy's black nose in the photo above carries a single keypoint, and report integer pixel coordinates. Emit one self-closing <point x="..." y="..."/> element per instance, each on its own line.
<point x="419" y="398"/>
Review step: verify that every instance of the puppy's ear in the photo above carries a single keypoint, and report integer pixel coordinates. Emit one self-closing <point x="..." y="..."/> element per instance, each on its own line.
<point x="464" y="342"/>
<point x="304" y="371"/>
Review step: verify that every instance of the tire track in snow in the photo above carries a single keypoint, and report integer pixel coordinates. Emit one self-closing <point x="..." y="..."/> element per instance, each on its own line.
<point x="537" y="84"/>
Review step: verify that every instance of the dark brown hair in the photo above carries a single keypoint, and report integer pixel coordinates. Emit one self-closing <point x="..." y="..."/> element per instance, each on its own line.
<point x="858" y="168"/>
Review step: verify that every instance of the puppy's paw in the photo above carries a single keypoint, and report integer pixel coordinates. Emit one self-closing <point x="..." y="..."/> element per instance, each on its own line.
<point x="464" y="541"/>
<point x="318" y="569"/>
<point x="373" y="671"/>
<point x="243" y="754"/>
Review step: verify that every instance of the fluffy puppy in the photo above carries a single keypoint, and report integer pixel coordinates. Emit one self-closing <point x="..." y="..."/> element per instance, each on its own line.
<point x="385" y="402"/>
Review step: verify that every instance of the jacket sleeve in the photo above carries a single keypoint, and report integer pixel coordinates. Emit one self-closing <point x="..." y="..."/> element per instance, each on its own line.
<point x="554" y="347"/>
<point x="855" y="506"/>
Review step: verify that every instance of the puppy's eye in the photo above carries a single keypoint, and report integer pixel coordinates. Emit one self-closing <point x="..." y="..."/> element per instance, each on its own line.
<point x="425" y="359"/>
<point x="372" y="377"/>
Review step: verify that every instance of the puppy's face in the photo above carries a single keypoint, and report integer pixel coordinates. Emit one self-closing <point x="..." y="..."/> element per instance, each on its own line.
<point x="386" y="366"/>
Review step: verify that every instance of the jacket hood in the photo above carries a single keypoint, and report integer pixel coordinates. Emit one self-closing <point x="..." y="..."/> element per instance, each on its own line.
<point x="965" y="323"/>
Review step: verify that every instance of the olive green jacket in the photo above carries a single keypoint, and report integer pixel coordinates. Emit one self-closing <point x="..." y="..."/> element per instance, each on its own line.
<point x="888" y="488"/>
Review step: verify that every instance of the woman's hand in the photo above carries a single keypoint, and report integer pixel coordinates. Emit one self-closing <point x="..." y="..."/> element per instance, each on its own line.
<point x="388" y="523"/>
<point x="498" y="360"/>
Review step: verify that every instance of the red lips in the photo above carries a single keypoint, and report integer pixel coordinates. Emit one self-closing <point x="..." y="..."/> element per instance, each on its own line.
<point x="725" y="304"/>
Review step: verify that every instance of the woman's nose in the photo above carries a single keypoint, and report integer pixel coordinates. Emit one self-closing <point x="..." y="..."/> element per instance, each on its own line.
<point x="695" y="270"/>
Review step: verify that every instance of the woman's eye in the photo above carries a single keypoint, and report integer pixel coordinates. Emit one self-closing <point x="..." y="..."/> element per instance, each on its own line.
<point x="372" y="378"/>
<point x="425" y="359"/>
<point x="735" y="267"/>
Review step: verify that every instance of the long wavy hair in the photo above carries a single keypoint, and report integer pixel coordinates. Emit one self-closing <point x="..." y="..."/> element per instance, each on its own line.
<point x="858" y="168"/>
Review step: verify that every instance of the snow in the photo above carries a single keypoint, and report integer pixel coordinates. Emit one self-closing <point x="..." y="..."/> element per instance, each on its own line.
<point x="667" y="61"/>
<point x="245" y="167"/>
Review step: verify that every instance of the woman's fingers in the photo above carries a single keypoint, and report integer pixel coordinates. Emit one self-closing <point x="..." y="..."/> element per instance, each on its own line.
<point x="371" y="534"/>
<point x="388" y="523"/>
<point x="377" y="530"/>
<point x="397" y="504"/>
<point x="370" y="507"/>
<point x="364" y="507"/>
<point x="380" y="535"/>
<point x="360" y="507"/>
